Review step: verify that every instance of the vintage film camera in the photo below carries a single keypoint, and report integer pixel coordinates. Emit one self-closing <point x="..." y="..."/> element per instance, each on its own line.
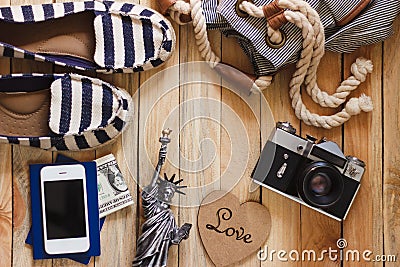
<point x="317" y="175"/>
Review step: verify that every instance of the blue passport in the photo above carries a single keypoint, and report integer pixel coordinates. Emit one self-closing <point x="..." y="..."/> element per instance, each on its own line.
<point x="78" y="257"/>
<point x="35" y="236"/>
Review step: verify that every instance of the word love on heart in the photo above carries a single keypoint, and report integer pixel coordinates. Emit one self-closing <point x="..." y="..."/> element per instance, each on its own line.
<point x="226" y="214"/>
<point x="231" y="231"/>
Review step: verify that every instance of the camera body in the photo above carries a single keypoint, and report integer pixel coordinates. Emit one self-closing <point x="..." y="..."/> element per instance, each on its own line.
<point x="315" y="174"/>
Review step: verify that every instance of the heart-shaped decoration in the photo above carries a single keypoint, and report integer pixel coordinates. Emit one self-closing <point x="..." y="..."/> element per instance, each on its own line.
<point x="231" y="231"/>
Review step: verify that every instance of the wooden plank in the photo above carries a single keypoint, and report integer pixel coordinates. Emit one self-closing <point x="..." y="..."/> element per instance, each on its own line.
<point x="153" y="111"/>
<point x="5" y="205"/>
<point x="319" y="232"/>
<point x="200" y="141"/>
<point x="240" y="152"/>
<point x="237" y="112"/>
<point x="391" y="140"/>
<point x="285" y="213"/>
<point x="119" y="230"/>
<point x="363" y="139"/>
<point x="22" y="157"/>
<point x="5" y="185"/>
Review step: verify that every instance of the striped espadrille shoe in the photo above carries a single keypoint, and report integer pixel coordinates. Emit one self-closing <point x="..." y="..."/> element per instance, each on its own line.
<point x="61" y="112"/>
<point x="92" y="35"/>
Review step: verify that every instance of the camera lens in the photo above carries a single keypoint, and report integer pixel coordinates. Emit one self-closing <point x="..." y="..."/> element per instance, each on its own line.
<point x="320" y="184"/>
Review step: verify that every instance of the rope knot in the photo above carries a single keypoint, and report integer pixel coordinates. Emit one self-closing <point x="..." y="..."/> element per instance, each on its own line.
<point x="263" y="82"/>
<point x="180" y="12"/>
<point x="361" y="68"/>
<point x="355" y="105"/>
<point x="183" y="7"/>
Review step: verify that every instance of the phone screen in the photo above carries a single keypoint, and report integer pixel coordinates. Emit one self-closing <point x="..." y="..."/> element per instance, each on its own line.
<point x="65" y="209"/>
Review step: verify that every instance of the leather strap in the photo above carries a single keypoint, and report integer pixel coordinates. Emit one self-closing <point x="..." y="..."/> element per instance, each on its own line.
<point x="240" y="80"/>
<point x="274" y="15"/>
<point x="164" y="5"/>
<point x="354" y="13"/>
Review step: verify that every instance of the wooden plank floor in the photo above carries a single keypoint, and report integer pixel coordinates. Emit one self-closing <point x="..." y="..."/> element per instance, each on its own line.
<point x="374" y="220"/>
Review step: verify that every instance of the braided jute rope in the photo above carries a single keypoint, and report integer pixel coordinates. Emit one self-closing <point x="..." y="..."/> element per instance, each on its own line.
<point x="307" y="19"/>
<point x="200" y="33"/>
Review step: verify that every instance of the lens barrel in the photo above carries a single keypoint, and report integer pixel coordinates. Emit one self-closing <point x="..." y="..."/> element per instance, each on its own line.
<point x="320" y="184"/>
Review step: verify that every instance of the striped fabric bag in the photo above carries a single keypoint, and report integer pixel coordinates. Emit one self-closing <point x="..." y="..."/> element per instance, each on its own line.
<point x="276" y="33"/>
<point x="348" y="24"/>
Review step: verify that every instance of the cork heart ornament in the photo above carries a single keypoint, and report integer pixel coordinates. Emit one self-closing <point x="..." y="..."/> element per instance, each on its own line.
<point x="231" y="231"/>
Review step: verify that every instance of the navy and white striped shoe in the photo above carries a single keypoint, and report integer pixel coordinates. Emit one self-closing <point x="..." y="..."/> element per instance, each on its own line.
<point x="92" y="35"/>
<point x="61" y="112"/>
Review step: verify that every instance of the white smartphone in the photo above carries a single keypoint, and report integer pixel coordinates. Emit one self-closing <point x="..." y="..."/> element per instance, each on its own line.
<point x="64" y="209"/>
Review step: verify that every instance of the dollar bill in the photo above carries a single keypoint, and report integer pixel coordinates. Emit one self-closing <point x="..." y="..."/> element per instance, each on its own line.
<point x="112" y="189"/>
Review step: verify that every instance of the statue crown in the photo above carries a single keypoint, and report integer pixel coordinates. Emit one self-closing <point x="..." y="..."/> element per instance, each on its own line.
<point x="170" y="183"/>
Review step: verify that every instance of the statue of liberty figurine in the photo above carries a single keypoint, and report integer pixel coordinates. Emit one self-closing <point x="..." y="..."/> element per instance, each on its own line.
<point x="159" y="231"/>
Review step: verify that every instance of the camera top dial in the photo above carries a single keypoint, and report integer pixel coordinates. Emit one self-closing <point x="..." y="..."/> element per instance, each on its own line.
<point x="356" y="161"/>
<point x="286" y="126"/>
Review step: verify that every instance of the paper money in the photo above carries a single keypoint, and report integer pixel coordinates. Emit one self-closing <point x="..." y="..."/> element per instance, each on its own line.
<point x="112" y="189"/>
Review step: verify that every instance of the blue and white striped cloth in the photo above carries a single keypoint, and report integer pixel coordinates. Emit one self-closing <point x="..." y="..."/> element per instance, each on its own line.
<point x="132" y="37"/>
<point x="87" y="112"/>
<point x="372" y="25"/>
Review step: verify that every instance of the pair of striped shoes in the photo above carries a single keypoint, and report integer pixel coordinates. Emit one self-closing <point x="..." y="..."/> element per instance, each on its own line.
<point x="70" y="111"/>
